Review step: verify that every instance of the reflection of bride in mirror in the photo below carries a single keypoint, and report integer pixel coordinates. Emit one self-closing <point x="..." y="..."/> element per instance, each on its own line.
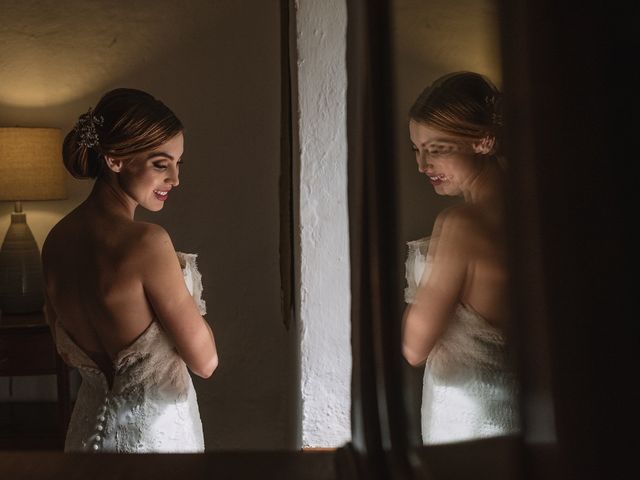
<point x="121" y="309"/>
<point x="457" y="278"/>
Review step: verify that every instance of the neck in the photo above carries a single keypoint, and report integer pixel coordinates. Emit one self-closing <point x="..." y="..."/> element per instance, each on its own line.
<point x="108" y="197"/>
<point x="488" y="184"/>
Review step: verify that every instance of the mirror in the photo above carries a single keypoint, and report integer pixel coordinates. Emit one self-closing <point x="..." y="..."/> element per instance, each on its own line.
<point x="450" y="219"/>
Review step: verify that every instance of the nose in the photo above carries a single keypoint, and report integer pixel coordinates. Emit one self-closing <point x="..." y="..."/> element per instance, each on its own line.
<point x="423" y="165"/>
<point x="172" y="179"/>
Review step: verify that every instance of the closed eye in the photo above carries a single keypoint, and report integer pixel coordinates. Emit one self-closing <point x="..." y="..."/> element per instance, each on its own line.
<point x="441" y="149"/>
<point x="163" y="166"/>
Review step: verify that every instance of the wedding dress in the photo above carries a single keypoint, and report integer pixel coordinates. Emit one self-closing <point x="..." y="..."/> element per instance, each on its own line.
<point x="151" y="406"/>
<point x="469" y="391"/>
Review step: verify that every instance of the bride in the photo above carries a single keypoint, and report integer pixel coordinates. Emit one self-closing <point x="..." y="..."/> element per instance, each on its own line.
<point x="124" y="308"/>
<point x="457" y="279"/>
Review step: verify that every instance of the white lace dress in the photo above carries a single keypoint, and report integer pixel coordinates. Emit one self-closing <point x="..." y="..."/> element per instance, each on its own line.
<point x="151" y="406"/>
<point x="469" y="392"/>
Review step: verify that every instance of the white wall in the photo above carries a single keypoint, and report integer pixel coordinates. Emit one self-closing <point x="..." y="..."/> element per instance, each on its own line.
<point x="324" y="283"/>
<point x="216" y="64"/>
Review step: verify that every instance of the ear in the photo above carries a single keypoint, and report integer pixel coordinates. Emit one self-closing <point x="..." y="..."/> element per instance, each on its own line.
<point x="115" y="165"/>
<point x="485" y="145"/>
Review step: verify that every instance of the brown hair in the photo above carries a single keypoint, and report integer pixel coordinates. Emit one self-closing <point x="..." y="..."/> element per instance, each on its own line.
<point x="132" y="122"/>
<point x="466" y="104"/>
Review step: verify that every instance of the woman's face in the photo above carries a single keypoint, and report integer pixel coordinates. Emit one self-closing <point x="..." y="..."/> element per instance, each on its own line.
<point x="149" y="177"/>
<point x="448" y="161"/>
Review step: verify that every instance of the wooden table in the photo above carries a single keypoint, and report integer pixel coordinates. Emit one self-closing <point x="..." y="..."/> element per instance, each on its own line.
<point x="26" y="349"/>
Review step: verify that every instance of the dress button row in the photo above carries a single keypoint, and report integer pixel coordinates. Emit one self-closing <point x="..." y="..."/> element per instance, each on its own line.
<point x="99" y="427"/>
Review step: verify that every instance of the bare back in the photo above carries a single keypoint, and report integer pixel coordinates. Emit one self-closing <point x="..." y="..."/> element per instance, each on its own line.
<point x="485" y="285"/>
<point x="94" y="282"/>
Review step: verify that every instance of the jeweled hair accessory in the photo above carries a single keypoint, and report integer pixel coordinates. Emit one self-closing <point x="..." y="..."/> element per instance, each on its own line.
<point x="86" y="129"/>
<point x="493" y="102"/>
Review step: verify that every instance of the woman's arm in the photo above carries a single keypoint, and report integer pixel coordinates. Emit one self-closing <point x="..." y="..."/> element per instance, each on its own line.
<point x="167" y="292"/>
<point x="425" y="320"/>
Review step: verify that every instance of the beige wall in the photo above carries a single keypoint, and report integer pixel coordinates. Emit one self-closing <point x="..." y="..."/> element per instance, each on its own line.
<point x="216" y="64"/>
<point x="432" y="38"/>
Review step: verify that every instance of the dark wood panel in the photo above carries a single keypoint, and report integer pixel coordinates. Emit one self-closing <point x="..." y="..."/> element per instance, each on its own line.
<point x="30" y="426"/>
<point x="27" y="351"/>
<point x="224" y="465"/>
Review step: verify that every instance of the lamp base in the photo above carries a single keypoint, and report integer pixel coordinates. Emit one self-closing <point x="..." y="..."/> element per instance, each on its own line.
<point x="21" y="278"/>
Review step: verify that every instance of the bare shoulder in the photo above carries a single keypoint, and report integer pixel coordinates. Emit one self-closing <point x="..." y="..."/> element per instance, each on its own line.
<point x="50" y="241"/>
<point x="151" y="240"/>
<point x="471" y="230"/>
<point x="457" y="219"/>
<point x="150" y="233"/>
<point x="457" y="232"/>
<point x="153" y="257"/>
<point x="57" y="238"/>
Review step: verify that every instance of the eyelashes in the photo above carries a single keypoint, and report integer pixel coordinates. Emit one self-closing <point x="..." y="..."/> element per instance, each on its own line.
<point x="160" y="166"/>
<point x="437" y="151"/>
<point x="442" y="151"/>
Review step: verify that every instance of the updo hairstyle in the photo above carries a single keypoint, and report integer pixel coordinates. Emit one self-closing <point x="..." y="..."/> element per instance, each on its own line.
<point x="464" y="104"/>
<point x="131" y="122"/>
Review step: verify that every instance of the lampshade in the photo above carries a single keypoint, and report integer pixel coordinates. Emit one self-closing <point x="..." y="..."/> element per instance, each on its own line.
<point x="30" y="169"/>
<point x="31" y="164"/>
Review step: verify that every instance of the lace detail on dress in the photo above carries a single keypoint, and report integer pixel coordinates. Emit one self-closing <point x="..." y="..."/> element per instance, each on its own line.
<point x="151" y="405"/>
<point x="469" y="341"/>
<point x="193" y="278"/>
<point x="469" y="390"/>
<point x="415" y="266"/>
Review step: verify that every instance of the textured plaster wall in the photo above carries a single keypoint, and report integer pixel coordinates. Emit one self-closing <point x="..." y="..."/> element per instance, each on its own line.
<point x="431" y="38"/>
<point x="217" y="65"/>
<point x="324" y="300"/>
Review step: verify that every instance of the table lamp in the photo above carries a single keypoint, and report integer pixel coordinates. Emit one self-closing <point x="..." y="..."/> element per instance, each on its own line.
<point x="30" y="169"/>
